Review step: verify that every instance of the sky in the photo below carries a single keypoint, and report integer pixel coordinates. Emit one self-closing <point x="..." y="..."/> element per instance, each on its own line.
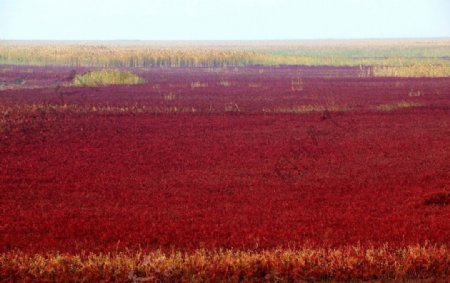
<point x="222" y="19"/>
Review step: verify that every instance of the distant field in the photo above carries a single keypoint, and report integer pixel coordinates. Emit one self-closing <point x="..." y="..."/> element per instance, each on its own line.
<point x="202" y="166"/>
<point x="429" y="57"/>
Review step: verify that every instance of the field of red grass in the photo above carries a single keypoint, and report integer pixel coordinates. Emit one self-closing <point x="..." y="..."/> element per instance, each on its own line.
<point x="252" y="159"/>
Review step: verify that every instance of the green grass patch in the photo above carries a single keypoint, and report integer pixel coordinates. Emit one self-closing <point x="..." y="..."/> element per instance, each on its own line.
<point x="107" y="77"/>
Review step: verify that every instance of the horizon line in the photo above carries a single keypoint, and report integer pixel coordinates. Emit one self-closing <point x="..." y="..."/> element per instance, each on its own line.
<point x="228" y="40"/>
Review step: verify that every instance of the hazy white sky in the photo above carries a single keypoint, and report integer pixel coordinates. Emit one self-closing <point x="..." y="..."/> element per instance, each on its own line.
<point x="222" y="19"/>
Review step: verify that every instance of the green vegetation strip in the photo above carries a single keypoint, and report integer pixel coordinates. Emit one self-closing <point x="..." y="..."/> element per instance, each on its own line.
<point x="107" y="77"/>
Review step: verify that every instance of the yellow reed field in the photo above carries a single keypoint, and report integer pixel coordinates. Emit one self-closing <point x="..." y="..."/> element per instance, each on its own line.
<point x="412" y="71"/>
<point x="119" y="56"/>
<point x="223" y="54"/>
<point x="282" y="265"/>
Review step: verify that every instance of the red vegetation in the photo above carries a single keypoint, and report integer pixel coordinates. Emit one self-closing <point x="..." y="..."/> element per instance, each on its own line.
<point x="437" y="199"/>
<point x="245" y="177"/>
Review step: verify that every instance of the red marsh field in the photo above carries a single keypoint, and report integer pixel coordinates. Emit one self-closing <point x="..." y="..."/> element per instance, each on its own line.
<point x="289" y="173"/>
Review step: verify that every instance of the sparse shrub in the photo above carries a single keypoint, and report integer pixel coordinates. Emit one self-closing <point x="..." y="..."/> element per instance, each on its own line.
<point x="198" y="85"/>
<point x="107" y="77"/>
<point x="169" y="96"/>
<point x="224" y="83"/>
<point x="232" y="107"/>
<point x="297" y="85"/>
<point x="415" y="93"/>
<point x="20" y="81"/>
<point x="254" y="85"/>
